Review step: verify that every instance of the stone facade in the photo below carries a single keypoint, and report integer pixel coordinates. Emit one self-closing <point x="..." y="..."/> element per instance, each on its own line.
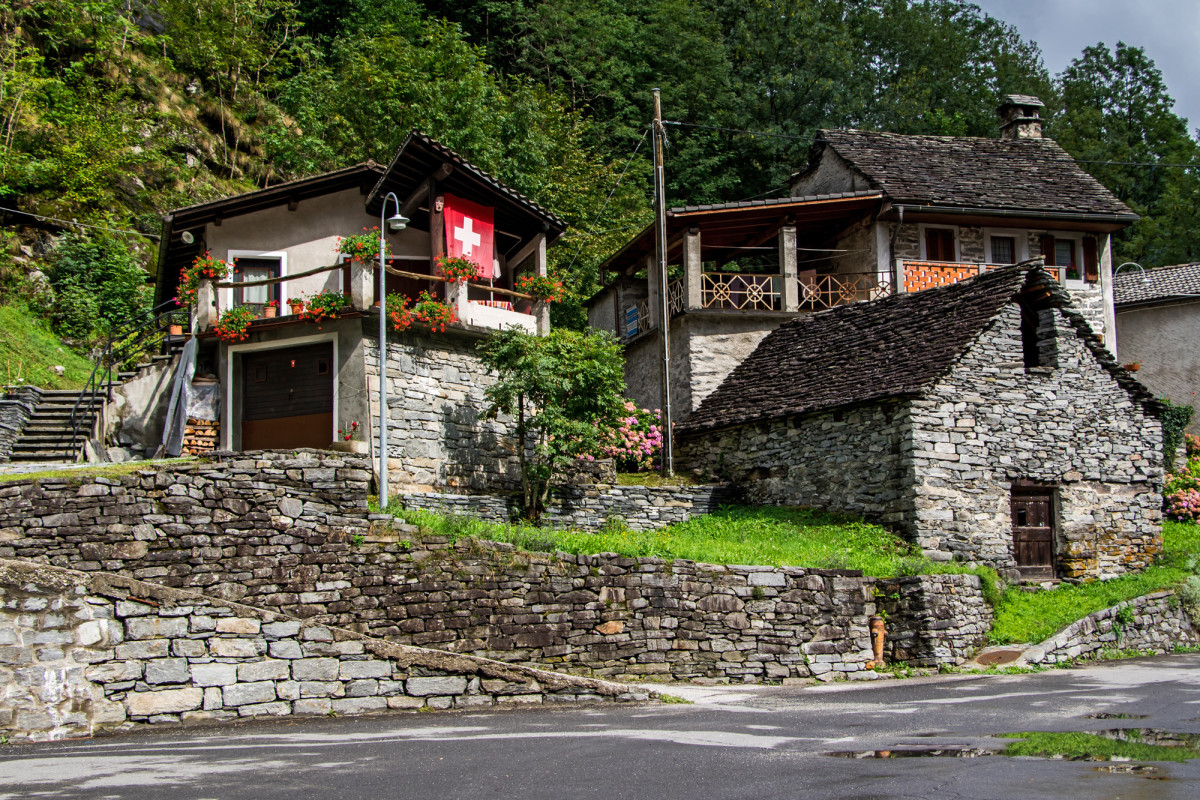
<point x="83" y="653"/>
<point x="17" y="404"/>
<point x="641" y="508"/>
<point x="941" y="466"/>
<point x="933" y="619"/>
<point x="1154" y="623"/>
<point x="243" y="531"/>
<point x="437" y="433"/>
<point x="850" y="461"/>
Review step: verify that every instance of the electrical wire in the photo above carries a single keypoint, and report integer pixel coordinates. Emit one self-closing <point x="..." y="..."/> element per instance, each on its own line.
<point x="739" y="130"/>
<point x="79" y="224"/>
<point x="613" y="191"/>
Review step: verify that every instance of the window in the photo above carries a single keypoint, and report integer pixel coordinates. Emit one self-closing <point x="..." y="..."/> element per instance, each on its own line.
<point x="939" y="244"/>
<point x="1074" y="256"/>
<point x="1004" y="250"/>
<point x="248" y="269"/>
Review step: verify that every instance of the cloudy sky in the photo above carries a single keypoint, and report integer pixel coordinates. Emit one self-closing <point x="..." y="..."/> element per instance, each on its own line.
<point x="1169" y="30"/>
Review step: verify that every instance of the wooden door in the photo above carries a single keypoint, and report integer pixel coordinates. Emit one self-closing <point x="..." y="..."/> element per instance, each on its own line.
<point x="1033" y="531"/>
<point x="287" y="397"/>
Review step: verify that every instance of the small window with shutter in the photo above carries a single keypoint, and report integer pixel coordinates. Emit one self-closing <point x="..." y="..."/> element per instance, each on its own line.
<point x="939" y="244"/>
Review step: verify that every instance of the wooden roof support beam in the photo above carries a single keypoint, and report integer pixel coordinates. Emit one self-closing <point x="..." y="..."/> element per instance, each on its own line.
<point x="421" y="193"/>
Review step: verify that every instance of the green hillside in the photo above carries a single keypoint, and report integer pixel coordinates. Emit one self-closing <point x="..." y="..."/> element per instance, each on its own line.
<point x="29" y="351"/>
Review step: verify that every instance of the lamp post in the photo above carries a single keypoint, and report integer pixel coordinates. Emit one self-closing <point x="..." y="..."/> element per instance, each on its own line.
<point x="1145" y="277"/>
<point x="394" y="224"/>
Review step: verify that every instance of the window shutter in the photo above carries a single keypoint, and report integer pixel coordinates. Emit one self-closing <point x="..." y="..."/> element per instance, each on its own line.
<point x="1048" y="249"/>
<point x="1091" y="270"/>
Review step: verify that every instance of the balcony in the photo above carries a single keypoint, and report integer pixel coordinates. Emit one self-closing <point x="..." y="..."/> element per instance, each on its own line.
<point x="921" y="275"/>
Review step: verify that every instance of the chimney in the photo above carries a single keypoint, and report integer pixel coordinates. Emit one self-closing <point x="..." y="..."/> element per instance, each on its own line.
<point x="1019" y="117"/>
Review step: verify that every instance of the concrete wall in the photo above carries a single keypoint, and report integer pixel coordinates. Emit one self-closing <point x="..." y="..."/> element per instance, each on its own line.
<point x="86" y="653"/>
<point x="308" y="236"/>
<point x="990" y="421"/>
<point x="1163" y="339"/>
<point x="138" y="410"/>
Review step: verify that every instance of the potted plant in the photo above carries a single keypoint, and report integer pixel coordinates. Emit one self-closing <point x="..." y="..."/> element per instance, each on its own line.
<point x="349" y="440"/>
<point x="541" y="288"/>
<point x="363" y="247"/>
<point x="233" y="325"/>
<point x="457" y="269"/>
<point x="323" y="306"/>
<point x="435" y="313"/>
<point x="204" y="266"/>
<point x="270" y="309"/>
<point x="175" y="323"/>
<point x="296" y="304"/>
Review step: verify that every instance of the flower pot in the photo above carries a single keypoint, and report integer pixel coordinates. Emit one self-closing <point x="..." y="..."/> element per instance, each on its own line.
<point x="297" y="308"/>
<point x="269" y="312"/>
<point x="175" y="330"/>
<point x="352" y="446"/>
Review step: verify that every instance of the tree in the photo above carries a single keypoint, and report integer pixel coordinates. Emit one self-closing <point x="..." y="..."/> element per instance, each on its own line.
<point x="562" y="388"/>
<point x="1116" y="109"/>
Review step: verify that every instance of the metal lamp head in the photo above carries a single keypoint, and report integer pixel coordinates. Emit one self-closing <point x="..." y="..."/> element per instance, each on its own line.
<point x="397" y="222"/>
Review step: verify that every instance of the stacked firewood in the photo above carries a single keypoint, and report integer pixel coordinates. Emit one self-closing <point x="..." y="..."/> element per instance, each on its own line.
<point x="200" y="436"/>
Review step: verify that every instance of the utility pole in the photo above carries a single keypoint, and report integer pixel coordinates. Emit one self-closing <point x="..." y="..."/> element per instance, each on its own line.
<point x="664" y="312"/>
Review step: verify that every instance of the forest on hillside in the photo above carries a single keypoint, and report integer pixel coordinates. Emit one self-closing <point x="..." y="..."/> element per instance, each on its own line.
<point x="113" y="111"/>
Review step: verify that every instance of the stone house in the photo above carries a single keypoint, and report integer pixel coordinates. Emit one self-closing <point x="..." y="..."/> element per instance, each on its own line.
<point x="1158" y="315"/>
<point x="294" y="383"/>
<point x="870" y="215"/>
<point x="983" y="419"/>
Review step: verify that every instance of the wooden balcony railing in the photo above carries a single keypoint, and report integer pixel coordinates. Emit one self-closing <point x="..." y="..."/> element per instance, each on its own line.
<point x="676" y="302"/>
<point x="740" y="292"/>
<point x="818" y="292"/>
<point x="920" y="275"/>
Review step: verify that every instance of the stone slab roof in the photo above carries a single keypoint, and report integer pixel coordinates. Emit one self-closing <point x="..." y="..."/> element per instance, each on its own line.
<point x="1034" y="175"/>
<point x="1132" y="287"/>
<point x="868" y="352"/>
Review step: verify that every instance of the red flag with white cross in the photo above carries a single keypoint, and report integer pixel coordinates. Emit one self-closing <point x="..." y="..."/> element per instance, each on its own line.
<point x="470" y="229"/>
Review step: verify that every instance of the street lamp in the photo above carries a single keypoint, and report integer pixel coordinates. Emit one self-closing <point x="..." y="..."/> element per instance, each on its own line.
<point x="1145" y="277"/>
<point x="393" y="224"/>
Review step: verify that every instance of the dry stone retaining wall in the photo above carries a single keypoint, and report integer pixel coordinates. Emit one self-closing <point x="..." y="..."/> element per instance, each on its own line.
<point x="588" y="508"/>
<point x="1154" y="623"/>
<point x="933" y="619"/>
<point x="81" y="653"/>
<point x="290" y="533"/>
<point x="17" y="404"/>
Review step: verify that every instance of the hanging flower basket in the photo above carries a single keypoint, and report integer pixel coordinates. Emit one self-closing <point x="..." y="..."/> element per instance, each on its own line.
<point x="435" y="313"/>
<point x="542" y="288"/>
<point x="364" y="247"/>
<point x="323" y="306"/>
<point x="456" y="269"/>
<point x="233" y="325"/>
<point x="204" y="266"/>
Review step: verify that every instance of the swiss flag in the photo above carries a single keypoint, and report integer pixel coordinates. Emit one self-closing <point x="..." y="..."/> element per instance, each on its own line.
<point x="469" y="233"/>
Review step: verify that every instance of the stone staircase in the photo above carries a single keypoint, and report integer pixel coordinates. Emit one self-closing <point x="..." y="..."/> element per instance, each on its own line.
<point x="46" y="436"/>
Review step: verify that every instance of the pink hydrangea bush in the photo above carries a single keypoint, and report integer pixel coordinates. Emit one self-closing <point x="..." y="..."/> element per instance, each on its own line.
<point x="636" y="439"/>
<point x="1184" y="505"/>
<point x="1181" y="495"/>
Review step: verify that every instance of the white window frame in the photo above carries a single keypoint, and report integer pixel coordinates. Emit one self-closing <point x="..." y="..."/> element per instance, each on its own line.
<point x="922" y="227"/>
<point x="1020" y="247"/>
<point x="1076" y="240"/>
<point x="225" y="301"/>
<point x="237" y="349"/>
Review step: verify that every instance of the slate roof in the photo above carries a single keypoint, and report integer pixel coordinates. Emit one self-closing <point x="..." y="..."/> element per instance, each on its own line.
<point x="1163" y="283"/>
<point x="1034" y="175"/>
<point x="866" y="352"/>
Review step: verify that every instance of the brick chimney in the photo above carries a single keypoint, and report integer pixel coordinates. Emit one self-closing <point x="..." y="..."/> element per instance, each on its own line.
<point x="1019" y="117"/>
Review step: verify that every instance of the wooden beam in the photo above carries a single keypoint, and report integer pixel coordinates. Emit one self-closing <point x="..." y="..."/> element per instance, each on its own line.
<point x="526" y="251"/>
<point x="419" y="194"/>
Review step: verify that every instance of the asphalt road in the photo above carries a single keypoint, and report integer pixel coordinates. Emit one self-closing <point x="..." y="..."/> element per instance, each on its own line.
<point x="753" y="742"/>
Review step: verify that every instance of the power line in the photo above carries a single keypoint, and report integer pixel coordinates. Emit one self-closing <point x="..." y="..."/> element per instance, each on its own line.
<point x="79" y="224"/>
<point x="738" y="130"/>
<point x="620" y="177"/>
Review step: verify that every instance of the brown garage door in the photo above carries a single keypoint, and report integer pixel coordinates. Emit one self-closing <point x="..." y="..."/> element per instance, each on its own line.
<point x="287" y="397"/>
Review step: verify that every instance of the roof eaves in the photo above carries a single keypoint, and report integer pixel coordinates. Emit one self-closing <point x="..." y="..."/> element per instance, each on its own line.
<point x="280" y="189"/>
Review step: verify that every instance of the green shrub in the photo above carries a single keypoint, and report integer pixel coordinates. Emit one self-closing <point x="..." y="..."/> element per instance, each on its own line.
<point x="103" y="268"/>
<point x="1174" y="420"/>
<point x="74" y="312"/>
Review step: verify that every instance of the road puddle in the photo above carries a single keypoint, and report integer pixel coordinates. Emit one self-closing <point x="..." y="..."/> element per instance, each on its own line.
<point x="954" y="751"/>
<point x="1111" y="715"/>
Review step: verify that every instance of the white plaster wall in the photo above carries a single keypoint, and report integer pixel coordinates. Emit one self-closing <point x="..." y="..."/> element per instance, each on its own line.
<point x="1163" y="339"/>
<point x="307" y="236"/>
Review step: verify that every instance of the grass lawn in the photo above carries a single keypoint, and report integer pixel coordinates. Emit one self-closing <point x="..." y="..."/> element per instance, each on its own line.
<point x="1035" y="616"/>
<point x="29" y="350"/>
<point x="771" y="535"/>
<point x="1091" y="747"/>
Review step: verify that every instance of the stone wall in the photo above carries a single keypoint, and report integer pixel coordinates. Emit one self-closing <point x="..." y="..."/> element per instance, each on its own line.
<point x="255" y="531"/>
<point x="848" y="460"/>
<point x="437" y="434"/>
<point x="933" y="619"/>
<point x="588" y="508"/>
<point x="991" y="421"/>
<point x="17" y="404"/>
<point x="1154" y="623"/>
<point x="82" y="653"/>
